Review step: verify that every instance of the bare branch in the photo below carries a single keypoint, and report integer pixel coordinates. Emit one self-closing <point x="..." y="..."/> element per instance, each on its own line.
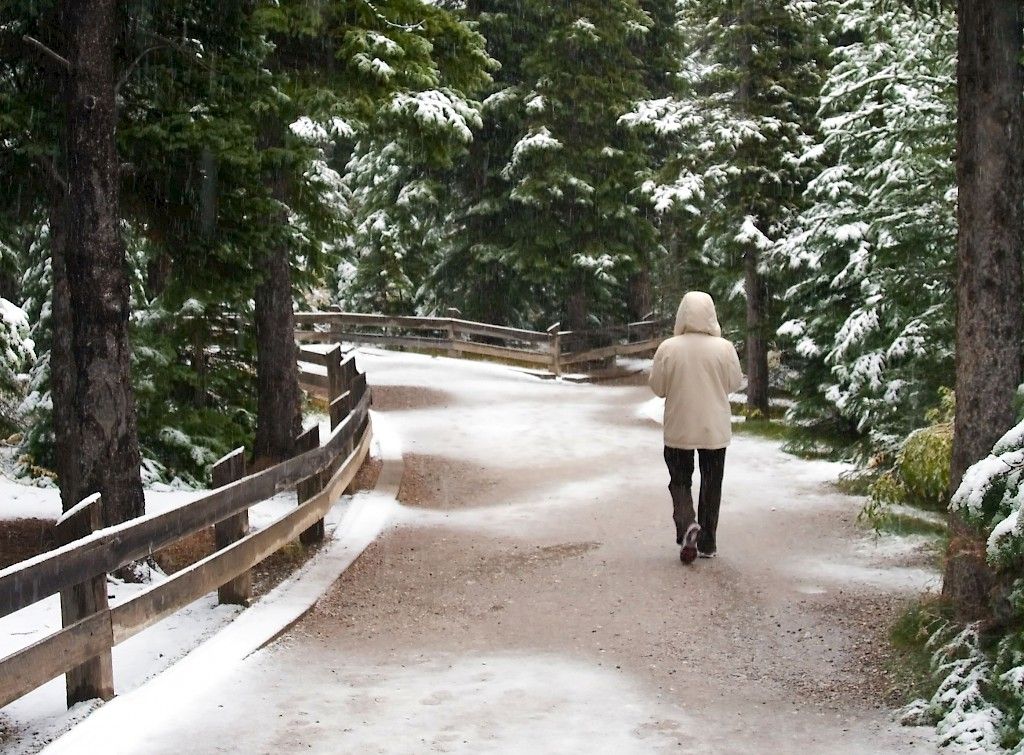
<point x="183" y="49"/>
<point x="380" y="17"/>
<point x="48" y="52"/>
<point x="54" y="175"/>
<point x="134" y="64"/>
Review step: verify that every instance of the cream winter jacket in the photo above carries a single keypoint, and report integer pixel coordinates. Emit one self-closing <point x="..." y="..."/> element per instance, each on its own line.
<point x="695" y="371"/>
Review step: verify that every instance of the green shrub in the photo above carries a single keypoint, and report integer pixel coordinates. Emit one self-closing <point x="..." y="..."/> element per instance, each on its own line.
<point x="920" y="473"/>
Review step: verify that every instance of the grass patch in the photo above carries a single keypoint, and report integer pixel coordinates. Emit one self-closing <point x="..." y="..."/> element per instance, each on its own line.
<point x="739" y="409"/>
<point x="800" y="441"/>
<point x="910" y="667"/>
<point x="908" y="524"/>
<point x="765" y="428"/>
<point x="856" y="482"/>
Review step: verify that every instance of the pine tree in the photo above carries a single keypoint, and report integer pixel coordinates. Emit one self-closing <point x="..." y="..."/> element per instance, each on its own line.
<point x="407" y="141"/>
<point x="869" y="313"/>
<point x="553" y="225"/>
<point x="741" y="129"/>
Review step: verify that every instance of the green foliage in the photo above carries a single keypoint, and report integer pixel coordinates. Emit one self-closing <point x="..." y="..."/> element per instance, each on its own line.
<point x="195" y="386"/>
<point x="551" y="224"/>
<point x="979" y="701"/>
<point x="910" y="635"/>
<point x="735" y="144"/>
<point x="919" y="475"/>
<point x="869" y="309"/>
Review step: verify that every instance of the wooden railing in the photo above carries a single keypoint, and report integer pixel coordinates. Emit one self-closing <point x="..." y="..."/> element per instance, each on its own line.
<point x="554" y="349"/>
<point x="78" y="570"/>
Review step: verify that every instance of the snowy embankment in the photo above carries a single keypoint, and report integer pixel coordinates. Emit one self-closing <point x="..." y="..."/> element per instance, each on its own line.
<point x="37" y="717"/>
<point x="29" y="723"/>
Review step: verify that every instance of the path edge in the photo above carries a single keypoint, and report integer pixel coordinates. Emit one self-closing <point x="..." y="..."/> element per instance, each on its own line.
<point x="258" y="626"/>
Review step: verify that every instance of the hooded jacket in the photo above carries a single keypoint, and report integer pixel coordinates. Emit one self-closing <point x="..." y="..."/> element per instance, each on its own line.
<point x="695" y="371"/>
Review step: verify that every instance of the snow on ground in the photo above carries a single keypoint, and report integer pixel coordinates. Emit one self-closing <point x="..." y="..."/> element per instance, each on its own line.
<point x="653" y="409"/>
<point x="351" y="527"/>
<point x="42" y="714"/>
<point x="871" y="561"/>
<point x="566" y="446"/>
<point x="435" y="703"/>
<point x="21" y="501"/>
<point x="556" y="464"/>
<point x="740" y="397"/>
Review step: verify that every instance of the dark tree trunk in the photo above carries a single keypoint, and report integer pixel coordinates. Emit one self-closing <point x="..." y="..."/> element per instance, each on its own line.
<point x="576" y="310"/>
<point x="104" y="402"/>
<point x="577" y="306"/>
<point x="158" y="274"/>
<point x="757" y="345"/>
<point x="279" y="406"/>
<point x="62" y="362"/>
<point x="278" y="398"/>
<point x="640" y="294"/>
<point x="990" y="119"/>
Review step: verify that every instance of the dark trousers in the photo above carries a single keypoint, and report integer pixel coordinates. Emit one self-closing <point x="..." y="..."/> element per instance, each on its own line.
<point x="680" y="470"/>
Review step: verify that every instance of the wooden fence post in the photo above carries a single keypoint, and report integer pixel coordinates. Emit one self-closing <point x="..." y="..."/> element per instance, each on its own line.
<point x="556" y="348"/>
<point x="348" y="372"/>
<point x="340" y="408"/>
<point x="95" y="677"/>
<point x="312" y="485"/>
<point x="230" y="468"/>
<point x="335" y="375"/>
<point x="453" y="314"/>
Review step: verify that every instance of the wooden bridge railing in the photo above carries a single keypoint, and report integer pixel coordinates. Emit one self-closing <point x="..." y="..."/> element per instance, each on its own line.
<point x="78" y="570"/>
<point x="554" y="349"/>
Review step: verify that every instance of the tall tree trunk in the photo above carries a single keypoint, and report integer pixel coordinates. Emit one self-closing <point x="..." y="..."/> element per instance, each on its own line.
<point x="757" y="345"/>
<point x="102" y="418"/>
<point x="62" y="362"/>
<point x="278" y="398"/>
<point x="639" y="286"/>
<point x="279" y="405"/>
<point x="990" y="124"/>
<point x="107" y="456"/>
<point x="576" y="307"/>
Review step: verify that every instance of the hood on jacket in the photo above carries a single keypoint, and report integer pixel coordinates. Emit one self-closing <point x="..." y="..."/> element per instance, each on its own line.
<point x="696" y="314"/>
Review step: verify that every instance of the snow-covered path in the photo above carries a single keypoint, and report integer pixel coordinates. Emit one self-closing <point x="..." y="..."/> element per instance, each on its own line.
<point x="529" y="598"/>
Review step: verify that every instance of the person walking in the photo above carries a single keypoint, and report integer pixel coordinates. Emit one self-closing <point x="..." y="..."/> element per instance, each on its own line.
<point x="695" y="371"/>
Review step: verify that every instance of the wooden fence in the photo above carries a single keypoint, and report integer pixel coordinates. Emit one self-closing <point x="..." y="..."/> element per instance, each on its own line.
<point x="554" y="349"/>
<point x="78" y="570"/>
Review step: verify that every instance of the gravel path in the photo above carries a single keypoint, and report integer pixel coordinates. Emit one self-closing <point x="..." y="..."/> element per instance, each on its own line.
<point x="529" y="597"/>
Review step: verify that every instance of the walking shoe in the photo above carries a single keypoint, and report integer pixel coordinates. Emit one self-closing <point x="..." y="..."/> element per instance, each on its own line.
<point x="689" y="550"/>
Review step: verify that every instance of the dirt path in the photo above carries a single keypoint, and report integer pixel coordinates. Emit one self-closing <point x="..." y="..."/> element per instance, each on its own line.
<point x="529" y="598"/>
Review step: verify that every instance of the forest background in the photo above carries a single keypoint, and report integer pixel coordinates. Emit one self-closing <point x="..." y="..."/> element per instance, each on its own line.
<point x="215" y="165"/>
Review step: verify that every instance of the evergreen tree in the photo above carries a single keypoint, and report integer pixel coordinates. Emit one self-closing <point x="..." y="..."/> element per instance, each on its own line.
<point x="869" y="314"/>
<point x="553" y="224"/>
<point x="741" y="131"/>
<point x="407" y="140"/>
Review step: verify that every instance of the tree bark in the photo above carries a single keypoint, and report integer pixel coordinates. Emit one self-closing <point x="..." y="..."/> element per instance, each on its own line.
<point x="757" y="345"/>
<point x="639" y="286"/>
<point x="279" y="406"/>
<point x="108" y="458"/>
<point x="577" y="304"/>
<point x="62" y="362"/>
<point x="278" y="397"/>
<point x="990" y="124"/>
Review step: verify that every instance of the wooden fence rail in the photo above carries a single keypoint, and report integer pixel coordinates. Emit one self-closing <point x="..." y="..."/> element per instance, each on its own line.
<point x="78" y="569"/>
<point x="553" y="349"/>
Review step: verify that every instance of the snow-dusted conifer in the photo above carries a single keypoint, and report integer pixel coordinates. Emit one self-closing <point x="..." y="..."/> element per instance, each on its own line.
<point x="870" y="312"/>
<point x="553" y="225"/>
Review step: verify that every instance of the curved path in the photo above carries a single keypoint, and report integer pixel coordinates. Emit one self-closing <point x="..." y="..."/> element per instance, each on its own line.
<point x="528" y="597"/>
